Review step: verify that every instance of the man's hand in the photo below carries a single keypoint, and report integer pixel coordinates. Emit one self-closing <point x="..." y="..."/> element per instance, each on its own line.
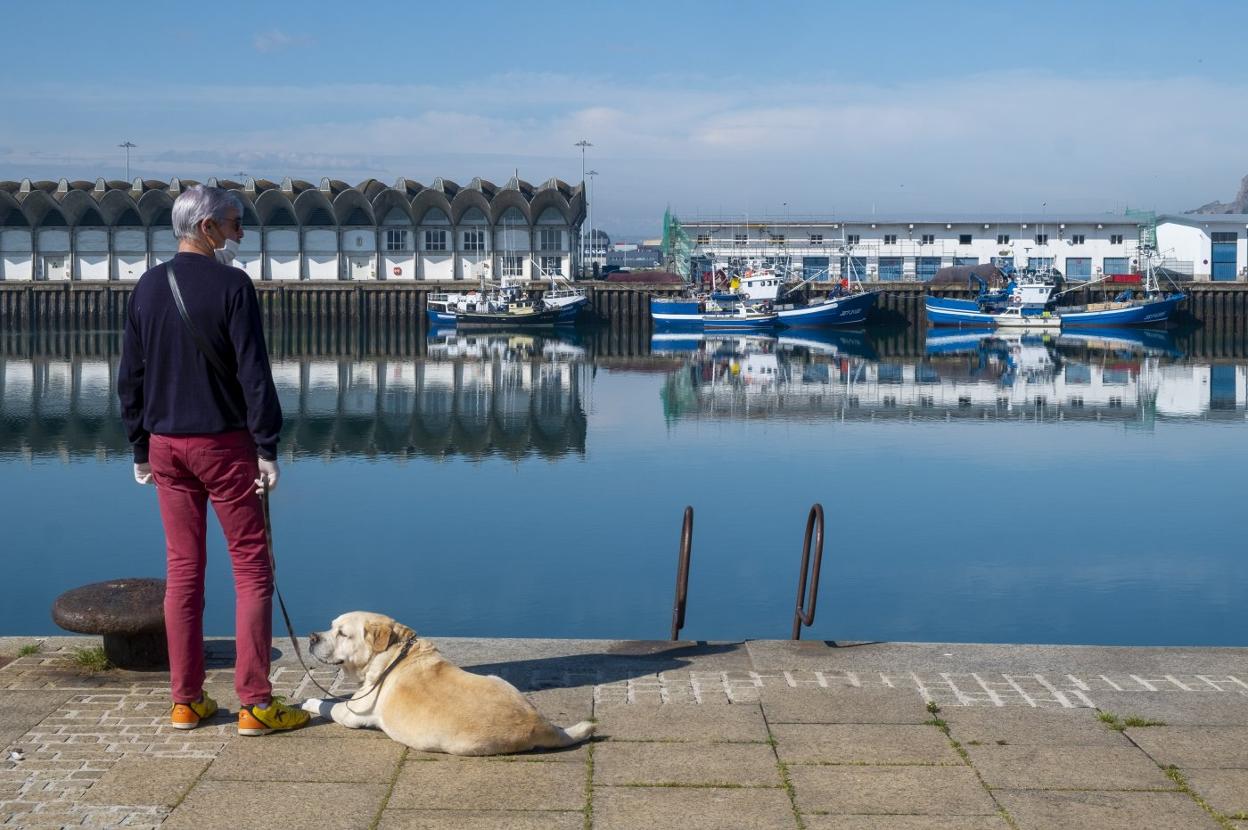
<point x="143" y="473"/>
<point x="268" y="475"/>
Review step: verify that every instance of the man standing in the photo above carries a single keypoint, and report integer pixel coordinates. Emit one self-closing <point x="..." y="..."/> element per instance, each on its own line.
<point x="201" y="411"/>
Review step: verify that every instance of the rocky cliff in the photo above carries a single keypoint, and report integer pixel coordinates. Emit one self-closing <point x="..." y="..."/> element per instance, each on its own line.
<point x="1238" y="205"/>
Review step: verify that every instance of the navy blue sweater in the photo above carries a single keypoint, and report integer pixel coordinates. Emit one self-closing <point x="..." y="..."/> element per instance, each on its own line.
<point x="168" y="387"/>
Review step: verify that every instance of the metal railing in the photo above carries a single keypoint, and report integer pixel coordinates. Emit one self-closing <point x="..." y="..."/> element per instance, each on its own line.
<point x="682" y="574"/>
<point x="804" y="610"/>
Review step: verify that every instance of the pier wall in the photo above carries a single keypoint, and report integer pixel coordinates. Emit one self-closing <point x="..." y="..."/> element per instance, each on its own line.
<point x="38" y="306"/>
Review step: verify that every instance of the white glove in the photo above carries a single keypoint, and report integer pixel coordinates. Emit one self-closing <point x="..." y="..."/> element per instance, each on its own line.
<point x="268" y="473"/>
<point x="143" y="473"/>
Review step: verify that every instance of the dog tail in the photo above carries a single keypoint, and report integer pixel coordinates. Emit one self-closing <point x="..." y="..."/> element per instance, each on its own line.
<point x="577" y="733"/>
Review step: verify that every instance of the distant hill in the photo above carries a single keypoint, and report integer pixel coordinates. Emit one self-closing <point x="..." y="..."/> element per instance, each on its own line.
<point x="1239" y="205"/>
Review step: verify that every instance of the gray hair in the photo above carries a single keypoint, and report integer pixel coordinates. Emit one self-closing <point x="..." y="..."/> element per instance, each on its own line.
<point x="197" y="203"/>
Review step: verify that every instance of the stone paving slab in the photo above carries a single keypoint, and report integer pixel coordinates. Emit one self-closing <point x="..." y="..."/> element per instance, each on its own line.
<point x="844" y="705"/>
<point x="1040" y="810"/>
<point x="480" y="784"/>
<point x="219" y="805"/>
<point x="481" y="820"/>
<point x="1224" y="707"/>
<point x="746" y="765"/>
<point x="675" y="722"/>
<point x="1067" y="767"/>
<point x="285" y="758"/>
<point x="857" y="743"/>
<point x="865" y="790"/>
<point x="155" y="782"/>
<point x="1030" y="727"/>
<point x="1226" y="790"/>
<point x="1195" y="747"/>
<point x="815" y="822"/>
<point x="21" y="711"/>
<point x="692" y="808"/>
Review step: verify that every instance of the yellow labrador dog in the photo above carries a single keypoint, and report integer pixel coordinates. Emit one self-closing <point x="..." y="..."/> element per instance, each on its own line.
<point x="417" y="698"/>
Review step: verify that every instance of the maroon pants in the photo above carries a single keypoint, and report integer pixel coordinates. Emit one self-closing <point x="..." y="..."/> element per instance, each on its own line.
<point x="189" y="471"/>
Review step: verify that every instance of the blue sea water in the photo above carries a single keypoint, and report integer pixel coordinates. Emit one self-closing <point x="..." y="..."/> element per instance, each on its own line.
<point x="980" y="488"/>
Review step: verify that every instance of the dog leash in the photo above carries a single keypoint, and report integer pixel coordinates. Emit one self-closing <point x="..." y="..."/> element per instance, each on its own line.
<point x="290" y="629"/>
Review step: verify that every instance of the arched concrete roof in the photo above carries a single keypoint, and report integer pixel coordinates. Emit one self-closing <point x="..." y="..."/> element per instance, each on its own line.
<point x="352" y="208"/>
<point x="429" y="199"/>
<point x="549" y="198"/>
<point x="484" y="186"/>
<point x="81" y="210"/>
<point x="410" y="187"/>
<point x="118" y="208"/>
<point x="312" y="207"/>
<point x="508" y="199"/>
<point x="38" y="206"/>
<point x="11" y="214"/>
<point x="370" y="188"/>
<point x="468" y="198"/>
<point x="520" y="186"/>
<point x="45" y="186"/>
<point x="274" y="208"/>
<point x="154" y="205"/>
<point x="389" y="199"/>
<point x="445" y="186"/>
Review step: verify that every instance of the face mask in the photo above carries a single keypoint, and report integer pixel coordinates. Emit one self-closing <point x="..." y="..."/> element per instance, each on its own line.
<point x="226" y="253"/>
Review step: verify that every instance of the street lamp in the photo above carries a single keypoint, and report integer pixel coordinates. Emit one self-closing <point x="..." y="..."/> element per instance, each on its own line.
<point x="593" y="174"/>
<point x="128" y="145"/>
<point x="583" y="144"/>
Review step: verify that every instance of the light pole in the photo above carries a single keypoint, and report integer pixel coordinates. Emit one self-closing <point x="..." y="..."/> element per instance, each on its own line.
<point x="583" y="144"/>
<point x="593" y="174"/>
<point x="128" y="145"/>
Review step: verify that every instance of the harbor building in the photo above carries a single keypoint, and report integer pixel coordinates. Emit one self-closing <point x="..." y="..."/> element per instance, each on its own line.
<point x="1204" y="247"/>
<point x="294" y="230"/>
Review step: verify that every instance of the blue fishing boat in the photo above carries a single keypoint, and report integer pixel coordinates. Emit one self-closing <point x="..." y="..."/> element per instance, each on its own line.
<point x="707" y="315"/>
<point x="1033" y="300"/>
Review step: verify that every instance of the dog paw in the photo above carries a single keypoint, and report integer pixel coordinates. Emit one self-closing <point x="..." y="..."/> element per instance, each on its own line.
<point x="313" y="705"/>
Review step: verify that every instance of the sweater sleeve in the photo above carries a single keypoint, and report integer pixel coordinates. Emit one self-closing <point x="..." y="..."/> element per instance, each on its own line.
<point x="264" y="411"/>
<point x="130" y="383"/>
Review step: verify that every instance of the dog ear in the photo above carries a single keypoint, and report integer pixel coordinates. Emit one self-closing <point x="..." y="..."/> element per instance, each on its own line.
<point x="378" y="636"/>
<point x="402" y="632"/>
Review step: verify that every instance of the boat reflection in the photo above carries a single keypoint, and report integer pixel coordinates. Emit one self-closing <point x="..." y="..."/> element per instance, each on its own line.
<point x="1119" y="376"/>
<point x="471" y="395"/>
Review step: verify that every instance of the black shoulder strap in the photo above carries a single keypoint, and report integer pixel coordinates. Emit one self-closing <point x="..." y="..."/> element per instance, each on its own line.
<point x="200" y="342"/>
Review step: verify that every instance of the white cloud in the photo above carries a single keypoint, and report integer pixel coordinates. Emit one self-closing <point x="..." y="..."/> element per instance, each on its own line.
<point x="980" y="142"/>
<point x="276" y="40"/>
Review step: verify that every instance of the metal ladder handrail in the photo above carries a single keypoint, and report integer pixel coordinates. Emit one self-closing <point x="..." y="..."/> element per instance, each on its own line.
<point x="804" y="614"/>
<point x="682" y="574"/>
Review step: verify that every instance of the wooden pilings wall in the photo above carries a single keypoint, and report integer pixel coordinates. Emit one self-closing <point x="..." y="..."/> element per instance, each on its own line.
<point x="36" y="306"/>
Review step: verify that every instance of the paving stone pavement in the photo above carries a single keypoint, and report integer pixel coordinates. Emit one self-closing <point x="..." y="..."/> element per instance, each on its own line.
<point x="762" y="734"/>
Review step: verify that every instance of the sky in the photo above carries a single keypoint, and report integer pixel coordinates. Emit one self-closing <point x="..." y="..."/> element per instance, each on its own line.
<point x="714" y="108"/>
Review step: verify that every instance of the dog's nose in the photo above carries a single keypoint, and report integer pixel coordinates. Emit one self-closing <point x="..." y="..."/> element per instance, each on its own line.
<point x="314" y="638"/>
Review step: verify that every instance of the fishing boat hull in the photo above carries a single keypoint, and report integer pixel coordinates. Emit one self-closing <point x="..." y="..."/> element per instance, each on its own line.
<point x="686" y="315"/>
<point x="833" y="311"/>
<point x="944" y="311"/>
<point x="547" y="318"/>
<point x="1141" y="313"/>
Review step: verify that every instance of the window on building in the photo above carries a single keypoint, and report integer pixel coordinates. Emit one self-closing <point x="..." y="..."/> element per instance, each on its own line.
<point x="1115" y="239"/>
<point x="740" y="239"/>
<point x="1042" y="239"/>
<point x="396" y="240"/>
<point x="890" y="239"/>
<point x="435" y="240"/>
<point x="1079" y="268"/>
<point x="1003" y="239"/>
<point x="552" y="265"/>
<point x="927" y="239"/>
<point x="777" y="238"/>
<point x="474" y="240"/>
<point x="816" y="239"/>
<point x="1078" y="239"/>
<point x="1223" y="236"/>
<point x="704" y="239"/>
<point x="964" y="239"/>
<point x="513" y="266"/>
<point x="853" y="239"/>
<point x="550" y="239"/>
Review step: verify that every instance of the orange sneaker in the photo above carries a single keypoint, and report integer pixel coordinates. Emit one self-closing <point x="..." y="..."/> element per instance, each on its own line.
<point x="188" y="715"/>
<point x="276" y="717"/>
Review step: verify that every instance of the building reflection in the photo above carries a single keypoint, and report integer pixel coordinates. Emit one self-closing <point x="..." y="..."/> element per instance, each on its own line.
<point x="1120" y="375"/>
<point x="467" y="395"/>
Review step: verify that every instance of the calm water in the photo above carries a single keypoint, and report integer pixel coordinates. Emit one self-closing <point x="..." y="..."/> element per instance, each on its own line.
<point x="997" y="489"/>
